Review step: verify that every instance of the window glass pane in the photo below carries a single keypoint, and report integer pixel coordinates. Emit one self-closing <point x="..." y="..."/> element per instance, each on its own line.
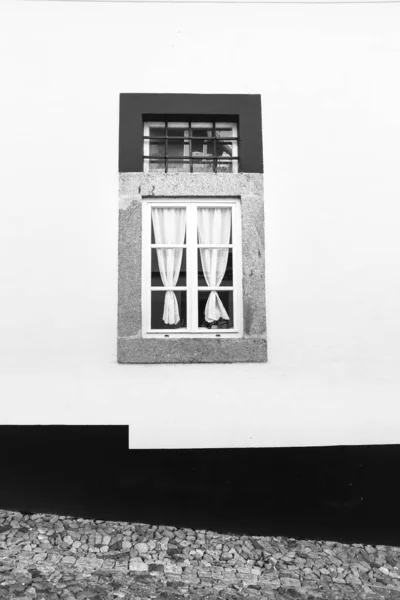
<point x="157" y="165"/>
<point x="225" y="130"/>
<point x="203" y="166"/>
<point x="158" y="308"/>
<point x="202" y="129"/>
<point x="224" y="133"/>
<point x="202" y="125"/>
<point x="224" y="166"/>
<point x="223" y="149"/>
<point x="226" y="298"/>
<point x="178" y="129"/>
<point x="214" y="225"/>
<point x="202" y="147"/>
<point x="157" y="148"/>
<point x="166" y="256"/>
<point x="157" y="130"/>
<point x="211" y="263"/>
<point x="178" y="148"/>
<point x="178" y="166"/>
<point x="170" y="225"/>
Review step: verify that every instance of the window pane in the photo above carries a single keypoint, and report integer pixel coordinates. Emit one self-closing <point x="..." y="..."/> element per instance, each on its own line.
<point x="157" y="148"/>
<point x="165" y="256"/>
<point x="224" y="133"/>
<point x="224" y="166"/>
<point x="224" y="149"/>
<point x="202" y="147"/>
<point x="226" y="298"/>
<point x="203" y="166"/>
<point x="178" y="166"/>
<point x="178" y="129"/>
<point x="157" y="130"/>
<point x="158" y="300"/>
<point x="170" y="224"/>
<point x="211" y="262"/>
<point x="157" y="165"/>
<point x="178" y="148"/>
<point x="214" y="225"/>
<point x="202" y="130"/>
<point x="225" y="130"/>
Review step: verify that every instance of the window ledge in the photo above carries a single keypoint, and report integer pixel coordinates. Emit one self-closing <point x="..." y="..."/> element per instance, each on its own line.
<point x="191" y="350"/>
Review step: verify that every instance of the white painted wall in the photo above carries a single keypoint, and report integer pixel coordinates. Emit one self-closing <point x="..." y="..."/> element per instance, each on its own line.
<point x="329" y="79"/>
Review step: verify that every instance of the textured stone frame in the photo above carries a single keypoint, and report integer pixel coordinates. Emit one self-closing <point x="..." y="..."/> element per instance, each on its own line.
<point x="136" y="187"/>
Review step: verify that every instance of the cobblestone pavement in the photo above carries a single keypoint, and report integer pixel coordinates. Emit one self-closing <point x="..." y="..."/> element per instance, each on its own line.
<point x="49" y="557"/>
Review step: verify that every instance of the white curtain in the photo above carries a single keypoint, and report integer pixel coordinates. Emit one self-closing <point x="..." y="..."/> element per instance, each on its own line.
<point x="169" y="228"/>
<point x="214" y="227"/>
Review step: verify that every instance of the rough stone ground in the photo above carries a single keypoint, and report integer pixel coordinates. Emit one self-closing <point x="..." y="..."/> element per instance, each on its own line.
<point x="49" y="557"/>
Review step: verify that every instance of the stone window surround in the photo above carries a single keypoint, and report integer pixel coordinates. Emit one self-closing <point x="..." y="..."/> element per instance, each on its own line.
<point x="132" y="347"/>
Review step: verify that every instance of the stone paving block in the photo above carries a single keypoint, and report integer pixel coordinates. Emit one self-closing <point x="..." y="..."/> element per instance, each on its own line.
<point x="89" y="563"/>
<point x="138" y="566"/>
<point x="173" y="569"/>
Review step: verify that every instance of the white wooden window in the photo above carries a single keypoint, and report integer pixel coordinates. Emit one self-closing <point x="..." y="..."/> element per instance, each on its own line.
<point x="190" y="146"/>
<point x="198" y="269"/>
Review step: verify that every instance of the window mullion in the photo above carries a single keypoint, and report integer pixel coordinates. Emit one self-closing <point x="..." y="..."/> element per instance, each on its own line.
<point x="148" y="235"/>
<point x="191" y="257"/>
<point x="190" y="147"/>
<point x="214" y="147"/>
<point x="237" y="268"/>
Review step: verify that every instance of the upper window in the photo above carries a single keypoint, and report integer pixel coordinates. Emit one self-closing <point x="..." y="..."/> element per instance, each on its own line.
<point x="190" y="146"/>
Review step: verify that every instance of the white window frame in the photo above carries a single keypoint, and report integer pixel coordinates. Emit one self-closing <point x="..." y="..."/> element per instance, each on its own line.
<point x="192" y="288"/>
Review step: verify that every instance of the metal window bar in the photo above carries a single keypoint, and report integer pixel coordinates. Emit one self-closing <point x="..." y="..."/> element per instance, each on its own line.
<point x="189" y="162"/>
<point x="183" y="157"/>
<point x="166" y="147"/>
<point x="193" y="137"/>
<point x="190" y="146"/>
<point x="214" y="148"/>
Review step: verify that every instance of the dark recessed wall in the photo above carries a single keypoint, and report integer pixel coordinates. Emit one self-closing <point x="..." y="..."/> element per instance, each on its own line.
<point x="245" y="108"/>
<point x="345" y="492"/>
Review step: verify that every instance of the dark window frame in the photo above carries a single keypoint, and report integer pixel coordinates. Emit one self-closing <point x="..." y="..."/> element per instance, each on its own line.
<point x="245" y="109"/>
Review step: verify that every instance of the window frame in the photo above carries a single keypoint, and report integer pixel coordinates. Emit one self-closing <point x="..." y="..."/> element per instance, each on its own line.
<point x="192" y="288"/>
<point x="187" y="156"/>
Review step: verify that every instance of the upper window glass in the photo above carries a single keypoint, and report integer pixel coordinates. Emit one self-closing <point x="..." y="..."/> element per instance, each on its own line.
<point x="190" y="147"/>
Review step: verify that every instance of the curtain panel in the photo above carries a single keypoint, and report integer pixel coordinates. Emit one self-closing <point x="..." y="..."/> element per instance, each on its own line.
<point x="214" y="227"/>
<point x="169" y="226"/>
